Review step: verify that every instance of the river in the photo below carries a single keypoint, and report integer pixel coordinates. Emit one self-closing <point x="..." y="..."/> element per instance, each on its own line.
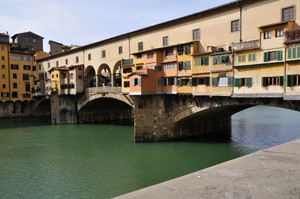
<point x="40" y="160"/>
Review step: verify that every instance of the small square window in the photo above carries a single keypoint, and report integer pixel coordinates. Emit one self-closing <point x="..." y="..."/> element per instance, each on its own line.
<point x="165" y="41"/>
<point x="140" y="46"/>
<point x="196" y="34"/>
<point x="103" y="54"/>
<point x="235" y="26"/>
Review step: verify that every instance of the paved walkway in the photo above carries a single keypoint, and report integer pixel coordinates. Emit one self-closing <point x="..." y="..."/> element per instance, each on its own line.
<point x="270" y="173"/>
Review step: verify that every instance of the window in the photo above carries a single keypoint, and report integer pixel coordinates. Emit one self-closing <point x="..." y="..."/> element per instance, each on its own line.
<point x="235" y="26"/>
<point x="15" y="58"/>
<point x="2" y="57"/>
<point x="139" y="56"/>
<point x="242" y="58"/>
<point x="14" y="66"/>
<point x="49" y="65"/>
<point x="288" y="14"/>
<point x="26" y="67"/>
<point x="2" y="48"/>
<point x="15" y="76"/>
<point x="294" y="52"/>
<point x="169" y="66"/>
<point x="77" y="59"/>
<point x="140" y="46"/>
<point x="33" y="40"/>
<point x="67" y="61"/>
<point x="293" y="80"/>
<point x="241" y="82"/>
<point x="126" y="84"/>
<point x="201" y="81"/>
<point x="15" y="85"/>
<point x="150" y="55"/>
<point x="184" y="49"/>
<point x="57" y="64"/>
<point x="25" y="77"/>
<point x="272" y="81"/>
<point x="136" y="81"/>
<point x="165" y="41"/>
<point x="22" y="58"/>
<point x="3" y="85"/>
<point x="14" y="94"/>
<point x="3" y="76"/>
<point x="120" y="49"/>
<point x="184" y="65"/>
<point x="27" y="87"/>
<point x="89" y="57"/>
<point x="29" y="58"/>
<point x="221" y="59"/>
<point x="279" y="32"/>
<point x="169" y="52"/>
<point x="3" y="66"/>
<point x="273" y="56"/>
<point x="33" y="68"/>
<point x="251" y="57"/>
<point x="4" y="94"/>
<point x="196" y="34"/>
<point x="204" y="61"/>
<point x="103" y="53"/>
<point x="267" y="34"/>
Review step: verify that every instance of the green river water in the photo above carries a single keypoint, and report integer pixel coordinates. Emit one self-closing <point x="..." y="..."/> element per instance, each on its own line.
<point x="40" y="160"/>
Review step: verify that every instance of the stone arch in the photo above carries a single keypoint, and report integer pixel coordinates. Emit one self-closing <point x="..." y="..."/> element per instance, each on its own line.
<point x="25" y="107"/>
<point x="118" y="97"/>
<point x="8" y="108"/>
<point x="43" y="107"/>
<point x="117" y="78"/>
<point x="18" y="107"/>
<point x="1" y="108"/>
<point x="90" y="77"/>
<point x="104" y="75"/>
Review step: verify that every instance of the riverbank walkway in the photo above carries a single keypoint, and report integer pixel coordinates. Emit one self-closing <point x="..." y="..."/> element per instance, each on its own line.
<point x="270" y="173"/>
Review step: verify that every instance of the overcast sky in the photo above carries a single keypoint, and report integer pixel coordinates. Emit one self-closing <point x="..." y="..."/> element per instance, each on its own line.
<point x="81" y="22"/>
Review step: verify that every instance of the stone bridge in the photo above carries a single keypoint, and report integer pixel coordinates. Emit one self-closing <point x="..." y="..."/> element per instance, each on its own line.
<point x="158" y="117"/>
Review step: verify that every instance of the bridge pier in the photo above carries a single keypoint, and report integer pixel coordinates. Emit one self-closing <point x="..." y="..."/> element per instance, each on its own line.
<point x="64" y="109"/>
<point x="154" y="119"/>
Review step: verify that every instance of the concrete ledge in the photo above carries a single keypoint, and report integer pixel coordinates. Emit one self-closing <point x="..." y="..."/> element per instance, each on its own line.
<point x="271" y="173"/>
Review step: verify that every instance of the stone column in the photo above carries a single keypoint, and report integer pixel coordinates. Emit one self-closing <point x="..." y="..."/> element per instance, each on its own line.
<point x="63" y="109"/>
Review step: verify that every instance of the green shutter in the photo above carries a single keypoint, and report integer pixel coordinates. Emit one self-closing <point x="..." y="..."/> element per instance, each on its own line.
<point x="298" y="52"/>
<point x="294" y="53"/>
<point x="178" y="82"/>
<point x="180" y="65"/>
<point x="279" y="55"/>
<point x="187" y="49"/>
<point x="289" y="53"/>
<point x="266" y="57"/>
<point x="237" y="82"/>
<point x="280" y="80"/>
<point x="206" y="60"/>
<point x="230" y="81"/>
<point x="191" y="82"/>
<point x="249" y="82"/>
<point x="289" y="80"/>
<point x="263" y="82"/>
<point x="214" y="81"/>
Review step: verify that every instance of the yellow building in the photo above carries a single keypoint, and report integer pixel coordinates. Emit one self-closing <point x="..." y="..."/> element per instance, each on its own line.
<point x="4" y="64"/>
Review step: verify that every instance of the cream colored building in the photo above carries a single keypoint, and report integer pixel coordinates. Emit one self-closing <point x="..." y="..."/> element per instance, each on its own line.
<point x="226" y="35"/>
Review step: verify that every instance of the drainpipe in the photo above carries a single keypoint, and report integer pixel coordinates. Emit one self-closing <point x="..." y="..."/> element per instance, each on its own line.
<point x="284" y="73"/>
<point x="241" y="24"/>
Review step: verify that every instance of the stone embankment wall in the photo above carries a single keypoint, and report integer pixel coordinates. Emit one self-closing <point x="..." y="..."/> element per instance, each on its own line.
<point x="17" y="109"/>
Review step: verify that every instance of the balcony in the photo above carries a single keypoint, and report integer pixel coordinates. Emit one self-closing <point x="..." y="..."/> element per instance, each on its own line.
<point x="247" y="45"/>
<point x="292" y="36"/>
